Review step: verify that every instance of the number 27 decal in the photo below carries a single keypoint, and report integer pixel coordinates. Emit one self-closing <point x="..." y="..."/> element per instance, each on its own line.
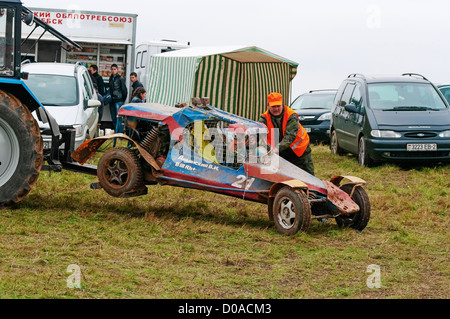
<point x="243" y="182"/>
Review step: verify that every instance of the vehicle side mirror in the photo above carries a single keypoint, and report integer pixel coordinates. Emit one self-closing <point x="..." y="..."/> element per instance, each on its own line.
<point x="93" y="103"/>
<point x="29" y="18"/>
<point x="24" y="75"/>
<point x="352" y="108"/>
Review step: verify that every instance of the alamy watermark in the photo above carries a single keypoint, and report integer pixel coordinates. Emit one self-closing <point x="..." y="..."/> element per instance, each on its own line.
<point x="374" y="280"/>
<point x="72" y="23"/>
<point x="74" y="280"/>
<point x="200" y="145"/>
<point x="373" y="20"/>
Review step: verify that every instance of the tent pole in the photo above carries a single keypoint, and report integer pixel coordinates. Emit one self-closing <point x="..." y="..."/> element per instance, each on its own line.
<point x="290" y="92"/>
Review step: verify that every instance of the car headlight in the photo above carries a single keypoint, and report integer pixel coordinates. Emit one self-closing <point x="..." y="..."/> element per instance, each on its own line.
<point x="385" y="134"/>
<point x="325" y="117"/>
<point x="78" y="130"/>
<point x="445" y="134"/>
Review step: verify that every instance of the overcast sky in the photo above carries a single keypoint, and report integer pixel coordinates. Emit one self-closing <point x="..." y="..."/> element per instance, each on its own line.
<point x="329" y="39"/>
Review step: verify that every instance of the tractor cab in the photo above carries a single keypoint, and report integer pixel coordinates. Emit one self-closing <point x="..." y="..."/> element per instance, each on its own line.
<point x="21" y="155"/>
<point x="13" y="80"/>
<point x="10" y="16"/>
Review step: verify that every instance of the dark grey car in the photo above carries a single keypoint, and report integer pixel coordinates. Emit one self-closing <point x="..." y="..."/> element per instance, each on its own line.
<point x="445" y="89"/>
<point x="396" y="119"/>
<point x="314" y="112"/>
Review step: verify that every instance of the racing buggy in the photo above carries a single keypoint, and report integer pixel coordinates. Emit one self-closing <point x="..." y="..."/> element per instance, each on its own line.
<point x="209" y="149"/>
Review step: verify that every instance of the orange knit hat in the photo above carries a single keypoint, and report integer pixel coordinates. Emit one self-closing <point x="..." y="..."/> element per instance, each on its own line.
<point x="275" y="98"/>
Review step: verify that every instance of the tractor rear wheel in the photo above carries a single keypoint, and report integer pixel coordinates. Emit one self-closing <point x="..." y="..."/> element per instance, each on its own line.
<point x="21" y="152"/>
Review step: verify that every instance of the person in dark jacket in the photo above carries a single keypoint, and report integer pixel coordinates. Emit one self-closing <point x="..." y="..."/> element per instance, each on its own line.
<point x="100" y="108"/>
<point x="134" y="82"/>
<point x="139" y="95"/>
<point x="118" y="91"/>
<point x="98" y="79"/>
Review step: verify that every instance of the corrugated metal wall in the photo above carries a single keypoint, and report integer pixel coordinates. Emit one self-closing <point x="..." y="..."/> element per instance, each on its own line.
<point x="241" y="88"/>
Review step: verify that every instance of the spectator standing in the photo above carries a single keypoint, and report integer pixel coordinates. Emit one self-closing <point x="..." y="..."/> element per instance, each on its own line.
<point x="118" y="91"/>
<point x="100" y="108"/>
<point x="98" y="79"/>
<point x="134" y="82"/>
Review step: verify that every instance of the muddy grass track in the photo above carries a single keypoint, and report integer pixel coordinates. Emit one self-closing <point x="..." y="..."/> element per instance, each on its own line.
<point x="178" y="243"/>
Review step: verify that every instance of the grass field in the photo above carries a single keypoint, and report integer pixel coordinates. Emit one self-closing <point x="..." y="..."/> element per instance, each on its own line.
<point x="180" y="243"/>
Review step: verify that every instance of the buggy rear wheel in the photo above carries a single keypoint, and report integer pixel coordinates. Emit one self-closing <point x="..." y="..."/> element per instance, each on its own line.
<point x="291" y="211"/>
<point x="358" y="220"/>
<point x="119" y="172"/>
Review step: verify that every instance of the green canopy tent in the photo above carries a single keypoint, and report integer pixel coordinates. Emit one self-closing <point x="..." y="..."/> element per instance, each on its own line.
<point x="236" y="79"/>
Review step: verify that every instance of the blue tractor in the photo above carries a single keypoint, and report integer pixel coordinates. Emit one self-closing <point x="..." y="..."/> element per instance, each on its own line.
<point x="21" y="149"/>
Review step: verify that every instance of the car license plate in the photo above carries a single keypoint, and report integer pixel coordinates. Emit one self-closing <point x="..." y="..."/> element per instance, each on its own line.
<point x="47" y="145"/>
<point x="421" y="147"/>
<point x="307" y="129"/>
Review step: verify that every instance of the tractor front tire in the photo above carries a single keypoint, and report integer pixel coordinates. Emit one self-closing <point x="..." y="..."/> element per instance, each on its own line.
<point x="21" y="150"/>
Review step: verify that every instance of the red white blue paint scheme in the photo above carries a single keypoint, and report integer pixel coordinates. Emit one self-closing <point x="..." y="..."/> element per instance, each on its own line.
<point x="209" y="149"/>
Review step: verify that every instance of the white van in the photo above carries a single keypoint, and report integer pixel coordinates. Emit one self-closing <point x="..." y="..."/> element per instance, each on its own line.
<point x="146" y="49"/>
<point x="67" y="93"/>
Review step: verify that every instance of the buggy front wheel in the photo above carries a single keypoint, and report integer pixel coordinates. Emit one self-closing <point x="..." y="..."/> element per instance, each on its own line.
<point x="291" y="211"/>
<point x="358" y="220"/>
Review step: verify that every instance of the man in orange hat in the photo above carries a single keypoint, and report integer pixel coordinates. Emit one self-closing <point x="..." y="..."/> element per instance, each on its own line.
<point x="293" y="140"/>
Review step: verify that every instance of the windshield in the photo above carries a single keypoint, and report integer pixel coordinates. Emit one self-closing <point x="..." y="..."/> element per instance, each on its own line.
<point x="446" y="92"/>
<point x="313" y="101"/>
<point x="54" y="90"/>
<point x="404" y="97"/>
<point x="6" y="41"/>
